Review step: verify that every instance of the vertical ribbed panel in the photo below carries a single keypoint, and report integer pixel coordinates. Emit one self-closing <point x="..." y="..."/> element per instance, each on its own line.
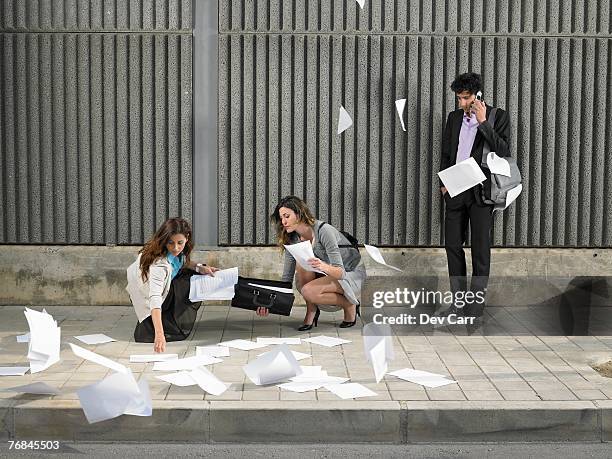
<point x="95" y="128"/>
<point x="286" y="67"/>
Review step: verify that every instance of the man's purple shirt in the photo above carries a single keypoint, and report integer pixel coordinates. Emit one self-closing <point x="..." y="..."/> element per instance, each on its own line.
<point x="469" y="128"/>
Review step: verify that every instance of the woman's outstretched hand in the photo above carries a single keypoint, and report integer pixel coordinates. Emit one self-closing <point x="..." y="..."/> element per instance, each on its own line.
<point x="263" y="312"/>
<point x="159" y="345"/>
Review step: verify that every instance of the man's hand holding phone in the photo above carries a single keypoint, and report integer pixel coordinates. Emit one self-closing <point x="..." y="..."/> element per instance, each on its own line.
<point x="479" y="108"/>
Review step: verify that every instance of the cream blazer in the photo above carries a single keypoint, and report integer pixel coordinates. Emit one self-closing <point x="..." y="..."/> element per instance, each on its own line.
<point x="149" y="295"/>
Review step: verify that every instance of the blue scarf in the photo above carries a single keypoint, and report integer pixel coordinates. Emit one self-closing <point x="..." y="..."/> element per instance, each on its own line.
<point x="176" y="263"/>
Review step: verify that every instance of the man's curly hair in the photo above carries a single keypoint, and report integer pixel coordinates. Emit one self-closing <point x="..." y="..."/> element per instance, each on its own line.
<point x="471" y="82"/>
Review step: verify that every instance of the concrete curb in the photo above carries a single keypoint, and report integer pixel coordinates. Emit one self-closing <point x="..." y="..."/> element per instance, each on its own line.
<point x="316" y="422"/>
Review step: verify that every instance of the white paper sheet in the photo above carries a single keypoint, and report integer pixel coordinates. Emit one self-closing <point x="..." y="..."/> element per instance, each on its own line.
<point x="462" y="176"/>
<point x="99" y="359"/>
<point x="399" y="105"/>
<point x="374" y="252"/>
<point x="44" y="344"/>
<point x="378" y="347"/>
<point x="23" y="338"/>
<point x="344" y="120"/>
<point x="217" y="287"/>
<point x="274" y="366"/>
<point x="213" y="351"/>
<point x="312" y="378"/>
<point x="350" y="390"/>
<point x="38" y="388"/>
<point x="274" y="341"/>
<point x="302" y="252"/>
<point x="208" y="381"/>
<point x="511" y="196"/>
<point x="115" y="395"/>
<point x="242" y="344"/>
<point x="145" y="358"/>
<point x="181" y="378"/>
<point x="298" y="355"/>
<point x="498" y="165"/>
<point x="424" y="378"/>
<point x="188" y="363"/>
<point x="327" y="341"/>
<point x="276" y="289"/>
<point x="13" y="371"/>
<point x="97" y="338"/>
<point x="361" y="3"/>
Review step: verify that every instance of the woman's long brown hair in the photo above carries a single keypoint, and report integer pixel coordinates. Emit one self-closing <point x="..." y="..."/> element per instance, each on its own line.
<point x="156" y="246"/>
<point x="302" y="211"/>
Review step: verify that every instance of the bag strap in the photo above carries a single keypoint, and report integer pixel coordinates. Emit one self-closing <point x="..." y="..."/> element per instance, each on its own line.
<point x="486" y="148"/>
<point x="341" y="246"/>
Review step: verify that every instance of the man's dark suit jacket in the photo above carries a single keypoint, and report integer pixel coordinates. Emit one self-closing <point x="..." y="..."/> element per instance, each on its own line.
<point x="497" y="136"/>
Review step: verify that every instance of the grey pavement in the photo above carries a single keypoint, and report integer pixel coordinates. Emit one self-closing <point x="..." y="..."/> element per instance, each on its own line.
<point x="526" y="379"/>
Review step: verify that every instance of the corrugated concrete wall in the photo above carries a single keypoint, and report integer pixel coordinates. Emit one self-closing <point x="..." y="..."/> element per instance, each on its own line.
<point x="95" y="119"/>
<point x="285" y="67"/>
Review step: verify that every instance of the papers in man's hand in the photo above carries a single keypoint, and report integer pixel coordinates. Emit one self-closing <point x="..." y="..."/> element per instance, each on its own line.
<point x="115" y="395"/>
<point x="424" y="378"/>
<point x="350" y="390"/>
<point x="276" y="289"/>
<point x="498" y="165"/>
<point x="273" y="366"/>
<point x="217" y="287"/>
<point x="302" y="252"/>
<point x="298" y="355"/>
<point x="511" y="196"/>
<point x="274" y="341"/>
<point x="242" y="344"/>
<point x="13" y="371"/>
<point x="374" y="252"/>
<point x="399" y="105"/>
<point x="378" y="347"/>
<point x="38" y="388"/>
<point x="213" y="351"/>
<point x="188" y="363"/>
<point x="44" y="344"/>
<point x="23" y="338"/>
<point x="344" y="120"/>
<point x="462" y="176"/>
<point x="98" y="338"/>
<point x="145" y="358"/>
<point x="99" y="359"/>
<point x="327" y="341"/>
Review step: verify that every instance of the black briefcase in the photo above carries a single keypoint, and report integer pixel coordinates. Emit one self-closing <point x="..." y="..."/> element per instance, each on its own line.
<point x="260" y="293"/>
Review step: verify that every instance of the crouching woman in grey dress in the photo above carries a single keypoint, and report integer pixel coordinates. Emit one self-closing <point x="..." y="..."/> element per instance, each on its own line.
<point x="334" y="255"/>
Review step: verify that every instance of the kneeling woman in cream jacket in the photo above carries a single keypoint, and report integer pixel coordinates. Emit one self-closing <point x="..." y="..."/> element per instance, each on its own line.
<point x="158" y="284"/>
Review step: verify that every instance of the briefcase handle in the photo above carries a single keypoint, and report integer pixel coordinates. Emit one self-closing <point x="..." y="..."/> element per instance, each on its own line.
<point x="263" y="305"/>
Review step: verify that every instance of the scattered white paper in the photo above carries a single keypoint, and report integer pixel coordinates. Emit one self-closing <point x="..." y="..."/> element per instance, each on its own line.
<point x="378" y="347"/>
<point x="98" y="338"/>
<point x="145" y="358"/>
<point x="312" y="378"/>
<point x="462" y="176"/>
<point x="275" y="289"/>
<point x="181" y="378"/>
<point x="188" y="363"/>
<point x="115" y="395"/>
<point x="242" y="344"/>
<point x="298" y="355"/>
<point x="213" y="351"/>
<point x="344" y="120"/>
<point x="217" y="287"/>
<point x="44" y="344"/>
<point x="361" y="3"/>
<point x="511" y="196"/>
<point x="399" y="105"/>
<point x="39" y="388"/>
<point x="498" y="165"/>
<point x="374" y="252"/>
<point x="274" y="341"/>
<point x="302" y="252"/>
<point x="208" y="381"/>
<point x="23" y="338"/>
<point x="13" y="371"/>
<point x="99" y="359"/>
<point x="350" y="390"/>
<point x="327" y="341"/>
<point x="424" y="378"/>
<point x="274" y="366"/>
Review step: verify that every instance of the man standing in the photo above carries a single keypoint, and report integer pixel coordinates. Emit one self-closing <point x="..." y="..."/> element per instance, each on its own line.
<point x="465" y="133"/>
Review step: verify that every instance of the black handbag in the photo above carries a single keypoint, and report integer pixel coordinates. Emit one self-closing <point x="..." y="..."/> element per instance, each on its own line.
<point x="258" y="296"/>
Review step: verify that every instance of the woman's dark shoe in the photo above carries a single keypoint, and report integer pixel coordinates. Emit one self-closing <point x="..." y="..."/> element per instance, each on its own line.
<point x="346" y="324"/>
<point x="315" y="321"/>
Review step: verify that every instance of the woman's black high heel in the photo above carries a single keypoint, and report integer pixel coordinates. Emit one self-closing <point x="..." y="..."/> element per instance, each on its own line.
<point x="346" y="324"/>
<point x="315" y="321"/>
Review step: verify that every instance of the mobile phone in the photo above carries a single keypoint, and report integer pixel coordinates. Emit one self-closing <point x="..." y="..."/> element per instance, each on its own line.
<point x="479" y="96"/>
